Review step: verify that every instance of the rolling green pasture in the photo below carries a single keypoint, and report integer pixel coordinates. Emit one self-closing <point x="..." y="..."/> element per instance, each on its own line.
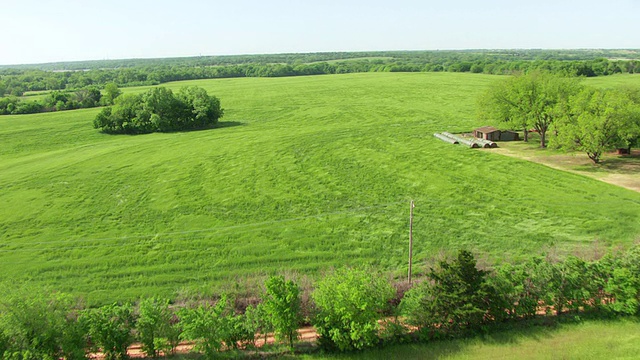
<point x="620" y="80"/>
<point x="303" y="174"/>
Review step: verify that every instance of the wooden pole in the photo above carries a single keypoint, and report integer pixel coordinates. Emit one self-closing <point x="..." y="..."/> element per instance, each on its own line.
<point x="411" y="238"/>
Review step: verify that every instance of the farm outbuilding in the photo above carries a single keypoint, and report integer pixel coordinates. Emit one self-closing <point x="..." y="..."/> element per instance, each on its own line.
<point x="492" y="134"/>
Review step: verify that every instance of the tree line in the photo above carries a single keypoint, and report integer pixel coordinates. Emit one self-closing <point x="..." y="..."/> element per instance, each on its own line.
<point x="578" y="117"/>
<point x="18" y="80"/>
<point x="305" y="58"/>
<point x="54" y="101"/>
<point x="58" y="100"/>
<point x="350" y="308"/>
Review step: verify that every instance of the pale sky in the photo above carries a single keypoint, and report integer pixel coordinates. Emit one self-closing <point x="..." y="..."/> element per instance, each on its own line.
<point x="65" y="30"/>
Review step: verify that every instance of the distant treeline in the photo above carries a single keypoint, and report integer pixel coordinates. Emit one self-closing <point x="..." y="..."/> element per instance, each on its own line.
<point x="305" y="58"/>
<point x="56" y="100"/>
<point x="76" y="75"/>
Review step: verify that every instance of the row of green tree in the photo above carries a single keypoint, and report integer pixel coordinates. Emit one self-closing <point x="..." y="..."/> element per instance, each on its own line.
<point x="87" y="97"/>
<point x="578" y="117"/>
<point x="352" y="309"/>
<point x="306" y="58"/>
<point x="160" y="110"/>
<point x="17" y="81"/>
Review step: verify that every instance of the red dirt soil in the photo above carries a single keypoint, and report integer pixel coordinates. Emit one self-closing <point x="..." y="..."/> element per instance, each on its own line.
<point x="305" y="334"/>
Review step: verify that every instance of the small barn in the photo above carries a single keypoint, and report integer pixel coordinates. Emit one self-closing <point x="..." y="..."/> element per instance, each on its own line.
<point x="487" y="132"/>
<point x="492" y="134"/>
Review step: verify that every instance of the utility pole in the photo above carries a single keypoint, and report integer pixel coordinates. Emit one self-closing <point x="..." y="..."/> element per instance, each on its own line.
<point x="411" y="238"/>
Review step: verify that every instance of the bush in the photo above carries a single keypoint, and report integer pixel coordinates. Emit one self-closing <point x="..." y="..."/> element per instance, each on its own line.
<point x="205" y="325"/>
<point x="623" y="288"/>
<point x="27" y="107"/>
<point x="519" y="291"/>
<point x="282" y="306"/>
<point x="257" y="321"/>
<point x="238" y="331"/>
<point x="155" y="331"/>
<point x="109" y="328"/>
<point x="37" y="325"/>
<point x="623" y="285"/>
<point x="349" y="303"/>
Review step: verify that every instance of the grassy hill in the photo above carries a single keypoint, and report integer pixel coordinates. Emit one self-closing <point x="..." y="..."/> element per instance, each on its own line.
<point x="303" y="174"/>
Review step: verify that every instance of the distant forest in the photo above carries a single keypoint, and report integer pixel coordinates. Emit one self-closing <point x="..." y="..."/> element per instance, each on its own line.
<point x="16" y="80"/>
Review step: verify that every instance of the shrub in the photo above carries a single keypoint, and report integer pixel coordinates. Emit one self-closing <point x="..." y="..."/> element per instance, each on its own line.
<point x="623" y="288"/>
<point x="109" y="328"/>
<point x="155" y="331"/>
<point x="37" y="325"/>
<point x="205" y="325"/>
<point x="258" y="321"/>
<point x="350" y="302"/>
<point x="282" y="306"/>
<point x="238" y="331"/>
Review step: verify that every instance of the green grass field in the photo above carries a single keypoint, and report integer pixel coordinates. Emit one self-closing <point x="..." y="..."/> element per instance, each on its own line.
<point x="304" y="173"/>
<point x="589" y="340"/>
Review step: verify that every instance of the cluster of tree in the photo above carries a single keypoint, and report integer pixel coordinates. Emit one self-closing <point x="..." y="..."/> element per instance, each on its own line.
<point x="87" y="97"/>
<point x="455" y="299"/>
<point x="580" y="117"/>
<point x="160" y="110"/>
<point x="458" y="298"/>
<point x="58" y="76"/>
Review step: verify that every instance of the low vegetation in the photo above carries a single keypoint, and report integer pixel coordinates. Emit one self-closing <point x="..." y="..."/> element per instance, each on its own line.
<point x="456" y="299"/>
<point x="349" y="303"/>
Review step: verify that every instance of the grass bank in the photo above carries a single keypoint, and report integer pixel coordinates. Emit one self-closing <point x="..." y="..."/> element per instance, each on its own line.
<point x="587" y="340"/>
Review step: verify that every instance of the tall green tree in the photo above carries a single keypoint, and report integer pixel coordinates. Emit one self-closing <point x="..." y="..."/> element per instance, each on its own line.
<point x="598" y="120"/>
<point x="529" y="101"/>
<point x="88" y="97"/>
<point x="111" y="92"/>
<point x="454" y="301"/>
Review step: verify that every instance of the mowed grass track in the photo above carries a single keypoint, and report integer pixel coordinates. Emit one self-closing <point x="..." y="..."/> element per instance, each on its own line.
<point x="305" y="173"/>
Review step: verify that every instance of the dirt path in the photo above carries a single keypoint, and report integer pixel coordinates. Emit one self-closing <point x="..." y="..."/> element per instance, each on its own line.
<point x="305" y="334"/>
<point x="618" y="170"/>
